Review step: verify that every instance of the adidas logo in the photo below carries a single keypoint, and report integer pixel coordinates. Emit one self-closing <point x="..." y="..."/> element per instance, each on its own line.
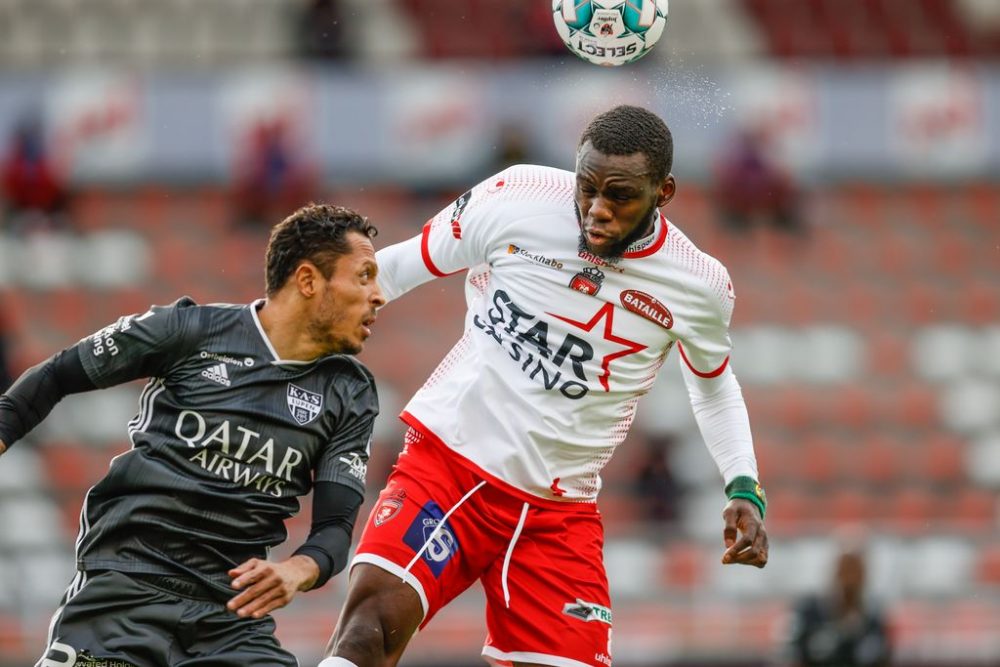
<point x="217" y="373"/>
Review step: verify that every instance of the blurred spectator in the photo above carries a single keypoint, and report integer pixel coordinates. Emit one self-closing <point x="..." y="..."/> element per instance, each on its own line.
<point x="841" y="628"/>
<point x="271" y="177"/>
<point x="321" y="30"/>
<point x="34" y="194"/>
<point x="655" y="484"/>
<point x="752" y="187"/>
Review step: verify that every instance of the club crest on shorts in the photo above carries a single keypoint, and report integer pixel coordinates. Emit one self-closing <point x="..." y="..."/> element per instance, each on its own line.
<point x="588" y="281"/>
<point x="389" y="508"/>
<point x="304" y="405"/>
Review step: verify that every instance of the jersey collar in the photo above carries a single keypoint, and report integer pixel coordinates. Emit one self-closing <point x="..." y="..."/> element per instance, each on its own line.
<point x="647" y="246"/>
<point x="275" y="359"/>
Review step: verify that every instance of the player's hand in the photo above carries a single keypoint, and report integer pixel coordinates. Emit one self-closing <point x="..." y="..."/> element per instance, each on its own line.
<point x="744" y="534"/>
<point x="267" y="586"/>
<point x="3" y="448"/>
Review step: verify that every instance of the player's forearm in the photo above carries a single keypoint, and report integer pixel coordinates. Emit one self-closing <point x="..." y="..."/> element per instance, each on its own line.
<point x="31" y="398"/>
<point x="335" y="509"/>
<point x="722" y="418"/>
<point x="401" y="267"/>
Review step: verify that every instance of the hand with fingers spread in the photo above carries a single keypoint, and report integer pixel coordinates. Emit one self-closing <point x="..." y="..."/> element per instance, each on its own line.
<point x="266" y="586"/>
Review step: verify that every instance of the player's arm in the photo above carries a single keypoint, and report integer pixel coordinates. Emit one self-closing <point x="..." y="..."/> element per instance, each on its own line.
<point x="31" y="398"/>
<point x="721" y="414"/>
<point x="266" y="586"/>
<point x="457" y="238"/>
<point x="338" y="491"/>
<point x="133" y="347"/>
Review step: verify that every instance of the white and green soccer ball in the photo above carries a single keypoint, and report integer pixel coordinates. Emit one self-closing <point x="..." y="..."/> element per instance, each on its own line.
<point x="610" y="32"/>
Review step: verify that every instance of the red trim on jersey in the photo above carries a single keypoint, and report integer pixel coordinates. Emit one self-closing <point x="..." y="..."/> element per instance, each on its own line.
<point x="430" y="436"/>
<point x="654" y="246"/>
<point x="425" y="252"/>
<point x="716" y="373"/>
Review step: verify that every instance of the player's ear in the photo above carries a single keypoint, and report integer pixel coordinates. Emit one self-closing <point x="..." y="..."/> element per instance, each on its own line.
<point x="307" y="278"/>
<point x="667" y="190"/>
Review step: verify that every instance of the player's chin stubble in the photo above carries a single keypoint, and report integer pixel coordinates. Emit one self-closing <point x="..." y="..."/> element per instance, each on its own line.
<point x="617" y="250"/>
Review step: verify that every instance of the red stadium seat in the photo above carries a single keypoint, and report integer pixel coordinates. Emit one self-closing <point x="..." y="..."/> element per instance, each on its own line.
<point x="913" y="510"/>
<point x="973" y="510"/>
<point x="878" y="460"/>
<point x="988" y="567"/>
<point x="939" y="459"/>
<point x="851" y="505"/>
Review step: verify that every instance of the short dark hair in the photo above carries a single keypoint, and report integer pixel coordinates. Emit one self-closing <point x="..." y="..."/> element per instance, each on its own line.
<point x="315" y="232"/>
<point x="627" y="129"/>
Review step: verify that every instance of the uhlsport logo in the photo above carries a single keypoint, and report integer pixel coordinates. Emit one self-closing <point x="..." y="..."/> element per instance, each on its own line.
<point x="304" y="405"/>
<point x="435" y="539"/>
<point x="587" y="611"/>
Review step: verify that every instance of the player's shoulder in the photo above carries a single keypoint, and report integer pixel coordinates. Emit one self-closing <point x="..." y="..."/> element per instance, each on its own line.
<point x="346" y="368"/>
<point x="704" y="269"/>
<point x="529" y="182"/>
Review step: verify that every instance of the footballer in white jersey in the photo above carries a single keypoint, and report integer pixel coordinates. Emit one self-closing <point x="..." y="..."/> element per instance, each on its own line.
<point x="578" y="287"/>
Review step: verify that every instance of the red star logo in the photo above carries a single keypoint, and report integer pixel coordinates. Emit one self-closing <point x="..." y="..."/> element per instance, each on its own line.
<point x="606" y="313"/>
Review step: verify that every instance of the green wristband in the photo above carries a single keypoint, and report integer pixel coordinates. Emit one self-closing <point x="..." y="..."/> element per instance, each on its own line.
<point x="749" y="489"/>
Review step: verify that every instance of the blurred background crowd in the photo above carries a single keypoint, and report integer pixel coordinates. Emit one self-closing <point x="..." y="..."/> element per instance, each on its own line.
<point x="841" y="157"/>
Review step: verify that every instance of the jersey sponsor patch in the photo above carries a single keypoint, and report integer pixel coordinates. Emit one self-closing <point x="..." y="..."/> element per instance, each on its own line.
<point x="456" y="215"/>
<point x="587" y="611"/>
<point x="647" y="306"/>
<point x="304" y="405"/>
<point x="356" y="466"/>
<point x="427" y="530"/>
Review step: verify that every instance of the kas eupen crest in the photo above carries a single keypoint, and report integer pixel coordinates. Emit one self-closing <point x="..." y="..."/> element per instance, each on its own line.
<point x="304" y="405"/>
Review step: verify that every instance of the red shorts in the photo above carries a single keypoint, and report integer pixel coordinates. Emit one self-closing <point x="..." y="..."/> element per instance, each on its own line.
<point x="540" y="562"/>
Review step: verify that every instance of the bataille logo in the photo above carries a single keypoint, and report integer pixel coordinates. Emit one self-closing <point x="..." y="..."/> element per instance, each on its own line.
<point x="644" y="305"/>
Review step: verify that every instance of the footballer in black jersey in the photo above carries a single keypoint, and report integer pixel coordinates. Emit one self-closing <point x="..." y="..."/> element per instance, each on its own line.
<point x="246" y="408"/>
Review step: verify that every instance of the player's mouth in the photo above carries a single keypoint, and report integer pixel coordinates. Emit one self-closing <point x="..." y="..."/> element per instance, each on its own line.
<point x="596" y="238"/>
<point x="366" y="325"/>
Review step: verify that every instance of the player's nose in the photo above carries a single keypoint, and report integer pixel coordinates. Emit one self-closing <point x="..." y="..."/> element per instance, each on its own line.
<point x="377" y="298"/>
<point x="600" y="210"/>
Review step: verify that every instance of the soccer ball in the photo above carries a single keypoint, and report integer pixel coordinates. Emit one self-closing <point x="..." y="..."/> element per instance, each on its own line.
<point x="610" y="32"/>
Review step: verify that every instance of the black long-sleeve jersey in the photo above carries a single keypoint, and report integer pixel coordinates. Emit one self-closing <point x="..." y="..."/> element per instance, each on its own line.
<point x="227" y="437"/>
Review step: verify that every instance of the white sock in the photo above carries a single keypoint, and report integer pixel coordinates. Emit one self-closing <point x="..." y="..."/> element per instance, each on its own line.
<point x="337" y="662"/>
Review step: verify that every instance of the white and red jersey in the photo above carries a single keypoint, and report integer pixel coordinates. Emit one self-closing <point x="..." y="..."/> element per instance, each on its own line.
<point x="559" y="345"/>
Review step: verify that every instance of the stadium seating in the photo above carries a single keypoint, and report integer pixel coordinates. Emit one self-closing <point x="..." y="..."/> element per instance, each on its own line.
<point x="874" y="409"/>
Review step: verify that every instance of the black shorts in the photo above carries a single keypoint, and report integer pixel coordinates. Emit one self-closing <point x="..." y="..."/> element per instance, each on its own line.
<point x="111" y="619"/>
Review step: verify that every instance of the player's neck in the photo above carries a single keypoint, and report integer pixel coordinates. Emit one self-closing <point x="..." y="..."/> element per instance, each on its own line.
<point x="283" y="328"/>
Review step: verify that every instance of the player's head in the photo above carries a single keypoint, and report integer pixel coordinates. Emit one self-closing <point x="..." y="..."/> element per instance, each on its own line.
<point x="323" y="255"/>
<point x="623" y="175"/>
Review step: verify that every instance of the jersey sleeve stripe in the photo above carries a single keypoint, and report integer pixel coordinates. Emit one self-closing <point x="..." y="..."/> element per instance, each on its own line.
<point x="711" y="374"/>
<point x="425" y="252"/>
